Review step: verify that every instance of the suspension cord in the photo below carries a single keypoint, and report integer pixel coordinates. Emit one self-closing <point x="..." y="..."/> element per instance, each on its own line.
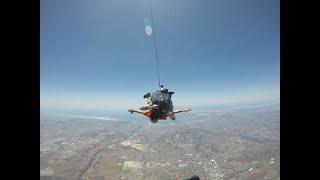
<point x="155" y="42"/>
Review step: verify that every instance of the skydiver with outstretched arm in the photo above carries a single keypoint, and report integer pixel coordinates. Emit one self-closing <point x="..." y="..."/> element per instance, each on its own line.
<point x="159" y="106"/>
<point x="155" y="114"/>
<point x="136" y="111"/>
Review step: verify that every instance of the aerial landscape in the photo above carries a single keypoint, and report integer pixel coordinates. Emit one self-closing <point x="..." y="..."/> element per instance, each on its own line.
<point x="240" y="143"/>
<point x="160" y="90"/>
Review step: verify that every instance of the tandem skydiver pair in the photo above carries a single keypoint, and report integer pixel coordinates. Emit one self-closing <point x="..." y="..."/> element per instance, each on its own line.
<point x="159" y="106"/>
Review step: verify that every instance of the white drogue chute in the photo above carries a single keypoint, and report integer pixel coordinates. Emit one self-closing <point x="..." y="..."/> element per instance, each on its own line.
<point x="148" y="27"/>
<point x="148" y="30"/>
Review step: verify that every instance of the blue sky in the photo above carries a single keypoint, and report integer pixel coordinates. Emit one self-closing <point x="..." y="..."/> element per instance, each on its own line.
<point x="95" y="54"/>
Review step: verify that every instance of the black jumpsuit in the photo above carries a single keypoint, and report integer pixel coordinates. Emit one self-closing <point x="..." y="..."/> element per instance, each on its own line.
<point x="163" y="100"/>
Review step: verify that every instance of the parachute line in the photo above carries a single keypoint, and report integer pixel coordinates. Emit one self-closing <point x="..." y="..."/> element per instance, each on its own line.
<point x="155" y="42"/>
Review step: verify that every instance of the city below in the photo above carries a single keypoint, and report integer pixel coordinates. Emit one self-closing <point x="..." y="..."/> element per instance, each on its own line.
<point x="234" y="143"/>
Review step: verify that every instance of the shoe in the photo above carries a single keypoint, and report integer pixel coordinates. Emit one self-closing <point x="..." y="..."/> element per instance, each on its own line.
<point x="146" y="95"/>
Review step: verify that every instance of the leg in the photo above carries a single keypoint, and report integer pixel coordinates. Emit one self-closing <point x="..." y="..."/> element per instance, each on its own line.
<point x="146" y="95"/>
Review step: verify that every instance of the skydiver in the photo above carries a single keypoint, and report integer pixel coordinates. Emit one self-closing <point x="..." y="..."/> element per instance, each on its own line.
<point x="153" y="113"/>
<point x="156" y="114"/>
<point x="159" y="103"/>
<point x="149" y="100"/>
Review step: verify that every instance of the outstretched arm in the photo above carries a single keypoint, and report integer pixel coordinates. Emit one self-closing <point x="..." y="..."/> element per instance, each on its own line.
<point x="136" y="111"/>
<point x="184" y="110"/>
